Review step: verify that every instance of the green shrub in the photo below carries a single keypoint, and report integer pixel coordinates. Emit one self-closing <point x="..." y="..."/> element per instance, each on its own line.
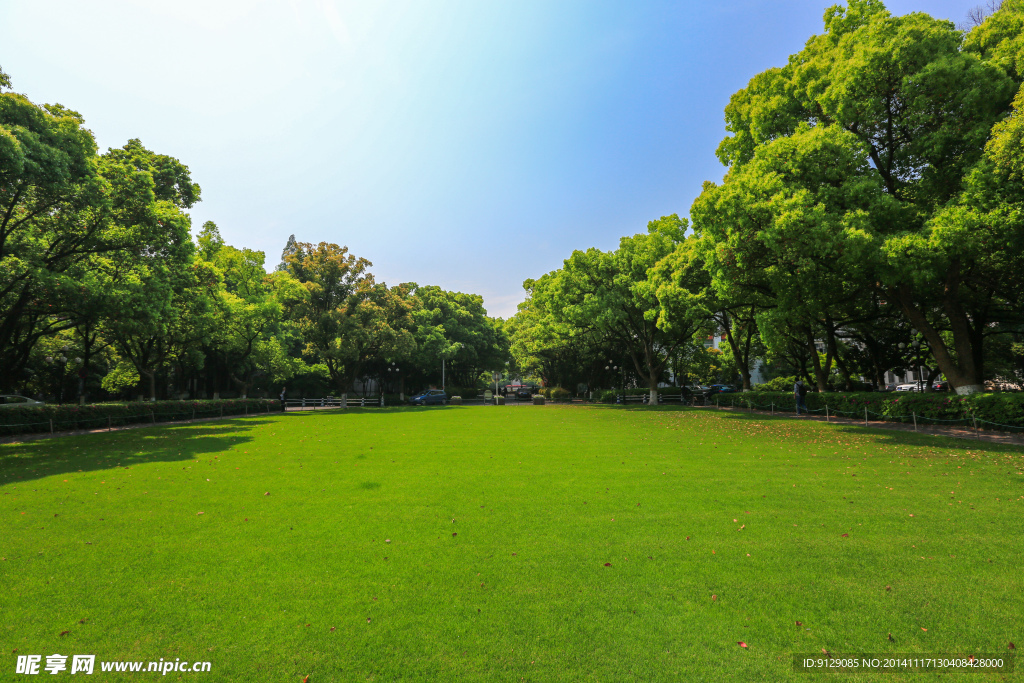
<point x="559" y="394"/>
<point x="777" y="384"/>
<point x="607" y="396"/>
<point x="30" y="419"/>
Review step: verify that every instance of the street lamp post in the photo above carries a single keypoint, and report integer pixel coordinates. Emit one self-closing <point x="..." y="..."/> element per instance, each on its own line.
<point x="401" y="389"/>
<point x="614" y="368"/>
<point x="61" y="362"/>
<point x="917" y="364"/>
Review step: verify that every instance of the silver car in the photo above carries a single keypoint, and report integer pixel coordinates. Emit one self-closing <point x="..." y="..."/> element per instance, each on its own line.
<point x="15" y="400"/>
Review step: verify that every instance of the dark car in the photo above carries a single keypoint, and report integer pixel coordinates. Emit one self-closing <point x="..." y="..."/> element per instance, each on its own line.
<point x="433" y="397"/>
<point x="524" y="394"/>
<point x="940" y="385"/>
<point x="722" y="389"/>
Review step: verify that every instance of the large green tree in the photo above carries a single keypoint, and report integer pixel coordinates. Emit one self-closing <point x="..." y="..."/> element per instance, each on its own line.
<point x="903" y="100"/>
<point x="614" y="295"/>
<point x="56" y="211"/>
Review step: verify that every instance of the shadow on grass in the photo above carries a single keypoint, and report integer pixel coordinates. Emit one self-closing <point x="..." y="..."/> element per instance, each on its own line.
<point x="22" y="462"/>
<point x="893" y="436"/>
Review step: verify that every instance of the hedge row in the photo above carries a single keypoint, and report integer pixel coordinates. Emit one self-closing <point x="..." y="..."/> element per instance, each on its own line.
<point x="30" y="419"/>
<point x="1000" y="409"/>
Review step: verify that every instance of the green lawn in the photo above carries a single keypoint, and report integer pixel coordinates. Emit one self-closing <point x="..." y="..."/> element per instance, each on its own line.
<point x="475" y="544"/>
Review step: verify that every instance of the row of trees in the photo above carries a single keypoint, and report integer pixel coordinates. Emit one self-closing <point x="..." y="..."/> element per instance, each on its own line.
<point x="103" y="291"/>
<point x="873" y="210"/>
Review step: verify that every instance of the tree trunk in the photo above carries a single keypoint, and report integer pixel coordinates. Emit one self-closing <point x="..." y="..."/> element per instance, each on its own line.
<point x="965" y="373"/>
<point x="820" y="373"/>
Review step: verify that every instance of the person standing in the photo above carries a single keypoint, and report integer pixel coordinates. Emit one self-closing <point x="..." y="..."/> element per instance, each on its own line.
<point x="798" y="393"/>
<point x="284" y="390"/>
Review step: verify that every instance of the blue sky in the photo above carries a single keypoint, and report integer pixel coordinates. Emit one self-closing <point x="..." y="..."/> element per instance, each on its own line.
<point x="469" y="145"/>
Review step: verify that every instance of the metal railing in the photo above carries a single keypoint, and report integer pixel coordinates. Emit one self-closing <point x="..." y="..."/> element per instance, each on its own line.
<point x="333" y="402"/>
<point x="968" y="420"/>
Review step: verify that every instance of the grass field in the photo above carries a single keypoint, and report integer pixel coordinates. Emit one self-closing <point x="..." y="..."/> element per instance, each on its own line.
<point x="526" y="543"/>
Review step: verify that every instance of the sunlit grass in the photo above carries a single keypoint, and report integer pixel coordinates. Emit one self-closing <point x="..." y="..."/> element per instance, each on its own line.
<point x="537" y="543"/>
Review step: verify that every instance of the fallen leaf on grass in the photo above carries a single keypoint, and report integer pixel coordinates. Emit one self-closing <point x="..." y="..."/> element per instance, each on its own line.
<point x="267" y="493"/>
<point x="367" y="620"/>
<point x="607" y="564"/>
<point x="923" y="628"/>
<point x="888" y="588"/>
<point x="64" y="633"/>
<point x="799" y="623"/>
<point x="306" y="679"/>
<point x="455" y="533"/>
<point x="846" y="535"/>
<point x="1012" y="646"/>
<point x="714" y="597"/>
<point x="891" y="639"/>
<point x="200" y="513"/>
<point x="332" y="629"/>
<point x="741" y="644"/>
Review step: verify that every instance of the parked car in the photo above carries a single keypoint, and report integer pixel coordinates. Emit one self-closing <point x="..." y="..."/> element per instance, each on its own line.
<point x="524" y="394"/>
<point x="433" y="397"/>
<point x="940" y="385"/>
<point x="15" y="400"/>
<point x="909" y="386"/>
<point x="723" y="389"/>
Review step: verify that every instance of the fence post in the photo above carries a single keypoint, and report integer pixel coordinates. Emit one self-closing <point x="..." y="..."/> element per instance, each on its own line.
<point x="915" y="420"/>
<point x="865" y="416"/>
<point x="773" y="407"/>
<point x="975" y="420"/>
<point x="382" y="400"/>
<point x="716" y="403"/>
<point x="362" y="403"/>
<point x="109" y="428"/>
<point x="152" y="416"/>
<point x="826" y="412"/>
<point x="51" y="425"/>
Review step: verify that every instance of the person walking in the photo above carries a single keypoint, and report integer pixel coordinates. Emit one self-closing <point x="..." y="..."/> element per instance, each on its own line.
<point x="798" y="393"/>
<point x="284" y="390"/>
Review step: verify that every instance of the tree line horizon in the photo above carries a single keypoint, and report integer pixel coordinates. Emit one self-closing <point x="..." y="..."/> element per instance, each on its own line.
<point x="872" y="212"/>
